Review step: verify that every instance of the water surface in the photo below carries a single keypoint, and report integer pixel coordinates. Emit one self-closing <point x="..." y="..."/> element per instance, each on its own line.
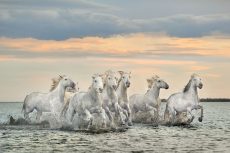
<point x="212" y="135"/>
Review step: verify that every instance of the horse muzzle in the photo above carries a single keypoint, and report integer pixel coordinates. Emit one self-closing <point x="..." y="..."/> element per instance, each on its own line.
<point x="200" y="86"/>
<point x="127" y="84"/>
<point x="100" y="90"/>
<point x="114" y="87"/>
<point x="167" y="86"/>
<point x="73" y="85"/>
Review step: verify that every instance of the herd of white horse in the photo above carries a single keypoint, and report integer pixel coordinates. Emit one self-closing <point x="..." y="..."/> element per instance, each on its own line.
<point x="106" y="103"/>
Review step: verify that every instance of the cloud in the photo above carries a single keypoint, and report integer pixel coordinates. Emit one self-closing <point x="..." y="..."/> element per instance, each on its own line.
<point x="60" y="20"/>
<point x="137" y="45"/>
<point x="199" y="68"/>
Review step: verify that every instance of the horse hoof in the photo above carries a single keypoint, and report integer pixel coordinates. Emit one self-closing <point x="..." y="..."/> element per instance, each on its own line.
<point x="200" y="119"/>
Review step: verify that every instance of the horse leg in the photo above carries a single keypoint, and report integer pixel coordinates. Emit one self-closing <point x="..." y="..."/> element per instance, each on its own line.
<point x="107" y="111"/>
<point x="151" y="109"/>
<point x="201" y="115"/>
<point x="103" y="116"/>
<point x="118" y="110"/>
<point x="70" y="114"/>
<point x="26" y="116"/>
<point x="166" y="114"/>
<point x="129" y="114"/>
<point x="156" y="114"/>
<point x="39" y="114"/>
<point x="189" y="111"/>
<point x="27" y="111"/>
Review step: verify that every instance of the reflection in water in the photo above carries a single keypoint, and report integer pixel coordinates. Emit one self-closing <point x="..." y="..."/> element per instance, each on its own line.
<point x="213" y="134"/>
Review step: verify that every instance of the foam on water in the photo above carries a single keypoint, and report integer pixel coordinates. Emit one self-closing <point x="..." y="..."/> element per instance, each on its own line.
<point x="212" y="135"/>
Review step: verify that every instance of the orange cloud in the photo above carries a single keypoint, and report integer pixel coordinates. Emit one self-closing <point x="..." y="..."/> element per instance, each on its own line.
<point x="6" y="58"/>
<point x="126" y="44"/>
<point x="199" y="68"/>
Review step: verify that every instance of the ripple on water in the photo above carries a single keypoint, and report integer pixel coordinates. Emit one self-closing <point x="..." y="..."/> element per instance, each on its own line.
<point x="212" y="135"/>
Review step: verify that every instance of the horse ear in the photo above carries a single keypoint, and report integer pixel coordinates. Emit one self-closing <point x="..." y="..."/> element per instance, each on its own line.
<point x="121" y="72"/>
<point x="194" y="75"/>
<point x="155" y="77"/>
<point x="60" y="76"/>
<point x="102" y="76"/>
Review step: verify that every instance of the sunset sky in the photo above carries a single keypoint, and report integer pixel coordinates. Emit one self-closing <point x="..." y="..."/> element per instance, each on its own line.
<point x="40" y="39"/>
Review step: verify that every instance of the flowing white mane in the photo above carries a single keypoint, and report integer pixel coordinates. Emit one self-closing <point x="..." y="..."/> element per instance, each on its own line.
<point x="186" y="88"/>
<point x="152" y="80"/>
<point x="55" y="82"/>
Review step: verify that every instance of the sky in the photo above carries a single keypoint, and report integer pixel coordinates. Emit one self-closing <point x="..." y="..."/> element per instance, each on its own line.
<point x="41" y="39"/>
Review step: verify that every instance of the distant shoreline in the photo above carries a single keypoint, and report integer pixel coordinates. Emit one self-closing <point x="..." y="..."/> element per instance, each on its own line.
<point x="164" y="100"/>
<point x="209" y="100"/>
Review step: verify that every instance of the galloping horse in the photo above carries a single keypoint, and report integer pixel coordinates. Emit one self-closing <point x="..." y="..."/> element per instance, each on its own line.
<point x="185" y="101"/>
<point x="148" y="102"/>
<point x="47" y="102"/>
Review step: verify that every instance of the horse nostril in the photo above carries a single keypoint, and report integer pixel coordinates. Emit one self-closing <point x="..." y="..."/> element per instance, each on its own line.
<point x="167" y="86"/>
<point x="100" y="89"/>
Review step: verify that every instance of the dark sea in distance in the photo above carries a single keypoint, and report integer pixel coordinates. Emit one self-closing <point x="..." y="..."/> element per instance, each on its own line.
<point x="212" y="135"/>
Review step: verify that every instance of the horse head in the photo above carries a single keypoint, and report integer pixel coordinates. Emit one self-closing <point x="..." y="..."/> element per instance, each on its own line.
<point x="97" y="83"/>
<point x="125" y="78"/>
<point x="111" y="79"/>
<point x="67" y="82"/>
<point x="156" y="81"/>
<point x="196" y="80"/>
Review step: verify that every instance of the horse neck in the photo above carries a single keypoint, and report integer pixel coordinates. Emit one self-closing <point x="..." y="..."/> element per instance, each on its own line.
<point x="192" y="92"/>
<point x="153" y="92"/>
<point x="60" y="92"/>
<point x="94" y="95"/>
<point x="122" y="91"/>
<point x="110" y="91"/>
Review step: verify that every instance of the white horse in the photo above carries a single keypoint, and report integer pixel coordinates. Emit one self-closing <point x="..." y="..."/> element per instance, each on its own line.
<point x="47" y="102"/>
<point x="87" y="103"/>
<point x="110" y="98"/>
<point x="148" y="102"/>
<point x="69" y="92"/>
<point x="123" y="85"/>
<point x="185" y="101"/>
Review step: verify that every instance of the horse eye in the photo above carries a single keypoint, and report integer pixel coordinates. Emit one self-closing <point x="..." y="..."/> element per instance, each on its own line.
<point x="159" y="81"/>
<point x="65" y="79"/>
<point x="95" y="81"/>
<point x="123" y="77"/>
<point x="109" y="78"/>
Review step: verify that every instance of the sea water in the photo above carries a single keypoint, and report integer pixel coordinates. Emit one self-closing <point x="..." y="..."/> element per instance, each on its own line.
<point x="211" y="135"/>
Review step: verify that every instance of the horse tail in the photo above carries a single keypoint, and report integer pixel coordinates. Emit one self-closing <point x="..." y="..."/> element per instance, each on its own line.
<point x="24" y="104"/>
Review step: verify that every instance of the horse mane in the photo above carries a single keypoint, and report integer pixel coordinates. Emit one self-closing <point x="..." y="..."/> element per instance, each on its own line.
<point x="55" y="82"/>
<point x="118" y="82"/>
<point x="186" y="88"/>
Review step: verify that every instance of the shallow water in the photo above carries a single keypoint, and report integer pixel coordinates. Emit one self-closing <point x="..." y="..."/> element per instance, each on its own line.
<point x="212" y="135"/>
